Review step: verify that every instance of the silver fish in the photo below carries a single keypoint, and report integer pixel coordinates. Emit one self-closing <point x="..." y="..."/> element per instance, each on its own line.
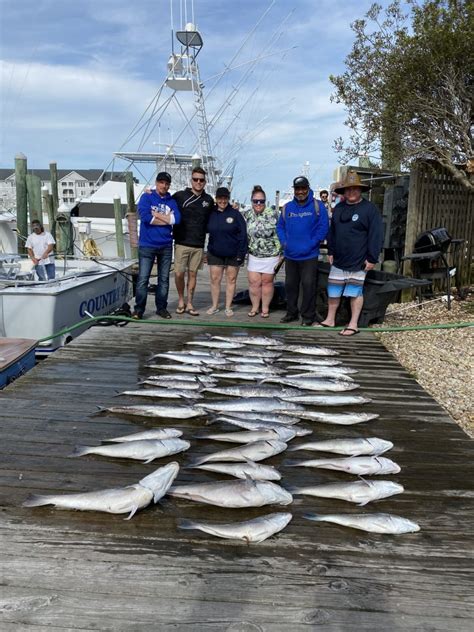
<point x="314" y="383"/>
<point x="177" y="385"/>
<point x="336" y="373"/>
<point x="194" y="380"/>
<point x="234" y="494"/>
<point x="279" y="433"/>
<point x="286" y="420"/>
<point x="193" y="359"/>
<point x="116" y="500"/>
<point x="343" y="419"/>
<point x="146" y="450"/>
<point x="238" y="375"/>
<point x="172" y="411"/>
<point x="251" y="404"/>
<point x="257" y="451"/>
<point x="256" y="530"/>
<point x="359" y="492"/>
<point x="251" y="390"/>
<point x="154" y="433"/>
<point x="260" y="369"/>
<point x="245" y="469"/>
<point x="373" y="523"/>
<point x="164" y="393"/>
<point x="268" y="354"/>
<point x="349" y="447"/>
<point x="259" y="341"/>
<point x="240" y="359"/>
<point x="311" y="351"/>
<point x="215" y="344"/>
<point x="258" y="424"/>
<point x="195" y="369"/>
<point x="316" y="362"/>
<point x="361" y="465"/>
<point x="327" y="400"/>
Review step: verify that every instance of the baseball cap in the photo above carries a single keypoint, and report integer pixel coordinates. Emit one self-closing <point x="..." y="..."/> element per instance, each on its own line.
<point x="163" y="175"/>
<point x="223" y="192"/>
<point x="301" y="181"/>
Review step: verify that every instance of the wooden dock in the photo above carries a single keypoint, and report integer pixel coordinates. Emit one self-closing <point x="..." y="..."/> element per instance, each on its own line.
<point x="65" y="570"/>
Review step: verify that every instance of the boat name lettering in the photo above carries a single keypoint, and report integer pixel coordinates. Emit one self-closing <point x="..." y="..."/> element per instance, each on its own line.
<point x="101" y="301"/>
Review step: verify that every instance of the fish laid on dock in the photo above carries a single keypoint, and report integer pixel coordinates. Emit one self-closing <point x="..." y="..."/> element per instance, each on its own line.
<point x="163" y="393"/>
<point x="310" y="361"/>
<point x="173" y="412"/>
<point x="146" y="450"/>
<point x="259" y="341"/>
<point x="116" y="500"/>
<point x="238" y="375"/>
<point x="234" y="494"/>
<point x="250" y="531"/>
<point x="260" y="424"/>
<point x="309" y="383"/>
<point x="251" y="390"/>
<point x="215" y="344"/>
<point x="359" y="492"/>
<point x="273" y="417"/>
<point x="310" y="351"/>
<point x="280" y="433"/>
<point x="176" y="385"/>
<point x="257" y="451"/>
<point x="154" y="433"/>
<point x="327" y="400"/>
<point x="360" y="465"/>
<point x="343" y="419"/>
<point x="196" y="381"/>
<point x="320" y="374"/>
<point x="246" y="469"/>
<point x="249" y="404"/>
<point x="181" y="368"/>
<point x="373" y="446"/>
<point x="373" y="523"/>
<point x="325" y="371"/>
<point x="247" y="351"/>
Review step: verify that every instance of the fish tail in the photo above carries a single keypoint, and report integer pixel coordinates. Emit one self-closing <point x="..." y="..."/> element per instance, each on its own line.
<point x="196" y="462"/>
<point x="186" y="524"/>
<point x="100" y="409"/>
<point x="291" y="463"/>
<point x="212" y="419"/>
<point x="79" y="450"/>
<point x="314" y="517"/>
<point x="36" y="500"/>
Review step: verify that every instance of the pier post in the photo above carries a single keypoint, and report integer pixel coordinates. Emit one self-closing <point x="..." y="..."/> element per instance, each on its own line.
<point x="132" y="215"/>
<point x="33" y="187"/>
<point x="48" y="207"/>
<point x="21" y="202"/>
<point x="119" y="227"/>
<point x="53" y="170"/>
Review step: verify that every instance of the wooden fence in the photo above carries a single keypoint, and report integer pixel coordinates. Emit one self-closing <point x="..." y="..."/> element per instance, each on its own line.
<point x="436" y="199"/>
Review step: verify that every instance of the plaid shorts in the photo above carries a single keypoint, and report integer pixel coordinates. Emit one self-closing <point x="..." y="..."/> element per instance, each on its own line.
<point x="345" y="283"/>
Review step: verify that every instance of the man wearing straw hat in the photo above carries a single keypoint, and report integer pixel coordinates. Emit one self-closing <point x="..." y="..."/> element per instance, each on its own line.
<point x="354" y="246"/>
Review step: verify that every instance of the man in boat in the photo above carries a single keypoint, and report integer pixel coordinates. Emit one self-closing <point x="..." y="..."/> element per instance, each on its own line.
<point x="195" y="206"/>
<point x="158" y="214"/>
<point x="354" y="246"/>
<point x="302" y="225"/>
<point x="40" y="245"/>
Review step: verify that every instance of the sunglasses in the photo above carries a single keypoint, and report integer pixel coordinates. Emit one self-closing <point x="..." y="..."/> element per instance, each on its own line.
<point x="199" y="180"/>
<point x="258" y="201"/>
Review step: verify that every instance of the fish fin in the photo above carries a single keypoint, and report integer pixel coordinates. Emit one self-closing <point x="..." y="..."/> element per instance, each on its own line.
<point x="100" y="409"/>
<point x="117" y="393"/>
<point x="149" y="460"/>
<point x="212" y="419"/>
<point x="293" y="448"/>
<point x="311" y="516"/>
<point x="36" y="500"/>
<point x="363" y="503"/>
<point x="196" y="462"/>
<point x="79" y="450"/>
<point x="132" y="513"/>
<point x="199" y="436"/>
<point x="293" y="489"/>
<point x="186" y="524"/>
<point x="368" y="483"/>
<point x="247" y="540"/>
<point x="291" y="463"/>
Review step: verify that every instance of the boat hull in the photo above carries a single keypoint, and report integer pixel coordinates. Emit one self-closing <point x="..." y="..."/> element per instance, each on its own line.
<point x="17" y="356"/>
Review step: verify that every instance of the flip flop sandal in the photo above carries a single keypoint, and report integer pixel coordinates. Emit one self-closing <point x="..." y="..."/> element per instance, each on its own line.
<point x="211" y="311"/>
<point x="252" y="314"/>
<point x="229" y="312"/>
<point x="180" y="309"/>
<point x="265" y="314"/>
<point x="354" y="332"/>
<point x="192" y="312"/>
<point x="324" y="325"/>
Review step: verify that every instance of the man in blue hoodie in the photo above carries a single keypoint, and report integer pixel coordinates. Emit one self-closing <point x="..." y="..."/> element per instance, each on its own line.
<point x="158" y="213"/>
<point x="302" y="225"/>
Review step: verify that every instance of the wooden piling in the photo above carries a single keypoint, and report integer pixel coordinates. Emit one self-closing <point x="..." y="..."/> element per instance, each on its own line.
<point x="131" y="215"/>
<point x="48" y="207"/>
<point x="119" y="227"/>
<point x="21" y="202"/>
<point x="33" y="188"/>
<point x="53" y="170"/>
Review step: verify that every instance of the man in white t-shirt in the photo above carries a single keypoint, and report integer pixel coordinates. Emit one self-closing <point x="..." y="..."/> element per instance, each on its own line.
<point x="40" y="246"/>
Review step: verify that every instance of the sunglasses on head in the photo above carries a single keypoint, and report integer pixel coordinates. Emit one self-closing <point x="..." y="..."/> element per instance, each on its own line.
<point x="258" y="201"/>
<point x="199" y="179"/>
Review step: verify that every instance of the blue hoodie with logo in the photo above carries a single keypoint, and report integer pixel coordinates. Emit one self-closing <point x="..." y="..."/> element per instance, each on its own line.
<point x="156" y="235"/>
<point x="301" y="228"/>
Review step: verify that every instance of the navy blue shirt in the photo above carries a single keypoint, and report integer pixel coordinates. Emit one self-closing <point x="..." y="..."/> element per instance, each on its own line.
<point x="227" y="233"/>
<point x="355" y="235"/>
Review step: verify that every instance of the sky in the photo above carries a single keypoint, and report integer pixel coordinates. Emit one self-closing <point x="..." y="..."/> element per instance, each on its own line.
<point x="77" y="75"/>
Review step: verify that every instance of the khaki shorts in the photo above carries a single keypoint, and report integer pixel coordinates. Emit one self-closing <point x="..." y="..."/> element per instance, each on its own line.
<point x="187" y="258"/>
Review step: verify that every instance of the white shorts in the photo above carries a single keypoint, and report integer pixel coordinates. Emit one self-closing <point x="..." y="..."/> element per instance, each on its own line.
<point x="264" y="265"/>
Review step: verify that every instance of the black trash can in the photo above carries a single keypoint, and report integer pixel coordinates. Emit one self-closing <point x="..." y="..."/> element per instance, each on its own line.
<point x="380" y="289"/>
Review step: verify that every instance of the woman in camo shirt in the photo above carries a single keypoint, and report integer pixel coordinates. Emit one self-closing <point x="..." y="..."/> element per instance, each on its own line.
<point x="264" y="251"/>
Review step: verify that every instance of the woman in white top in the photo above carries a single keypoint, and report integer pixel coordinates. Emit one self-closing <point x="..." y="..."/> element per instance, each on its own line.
<point x="40" y="246"/>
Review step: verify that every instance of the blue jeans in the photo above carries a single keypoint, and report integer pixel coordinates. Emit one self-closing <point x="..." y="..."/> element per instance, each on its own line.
<point x="146" y="259"/>
<point x="48" y="270"/>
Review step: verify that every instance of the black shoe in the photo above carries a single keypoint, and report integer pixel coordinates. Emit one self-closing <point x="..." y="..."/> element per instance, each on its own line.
<point x="306" y="323"/>
<point x="288" y="318"/>
<point x="137" y="316"/>
<point x="163" y="313"/>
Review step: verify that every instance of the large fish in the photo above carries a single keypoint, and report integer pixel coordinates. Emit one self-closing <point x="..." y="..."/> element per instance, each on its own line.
<point x="193" y="359"/>
<point x="311" y="351"/>
<point x="313" y="383"/>
<point x="259" y="424"/>
<point x="146" y="450"/>
<point x="215" y="344"/>
<point x="327" y="400"/>
<point x="349" y="447"/>
<point x="311" y="361"/>
<point x="177" y="385"/>
<point x="245" y="469"/>
<point x="116" y="500"/>
<point x="195" y="369"/>
<point x="251" y="390"/>
<point x="280" y="433"/>
<point x="196" y="381"/>
<point x="259" y="341"/>
<point x="163" y="393"/>
<point x="234" y="494"/>
<point x="247" y="359"/>
<point x="343" y="419"/>
<point x="361" y="465"/>
<point x="286" y="420"/>
<point x="238" y="375"/>
<point x="373" y="523"/>
<point x="246" y="351"/>
<point x="154" y="433"/>
<point x="171" y="411"/>
<point x="257" y="451"/>
<point x="359" y="492"/>
<point x="256" y="530"/>
<point x="328" y="373"/>
<point x="250" y="404"/>
<point x="260" y="369"/>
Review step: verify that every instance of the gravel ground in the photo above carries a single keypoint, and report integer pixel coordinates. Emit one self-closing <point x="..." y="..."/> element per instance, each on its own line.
<point x="441" y="360"/>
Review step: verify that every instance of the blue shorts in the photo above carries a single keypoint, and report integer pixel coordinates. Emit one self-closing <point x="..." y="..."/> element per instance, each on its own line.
<point x="345" y="283"/>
